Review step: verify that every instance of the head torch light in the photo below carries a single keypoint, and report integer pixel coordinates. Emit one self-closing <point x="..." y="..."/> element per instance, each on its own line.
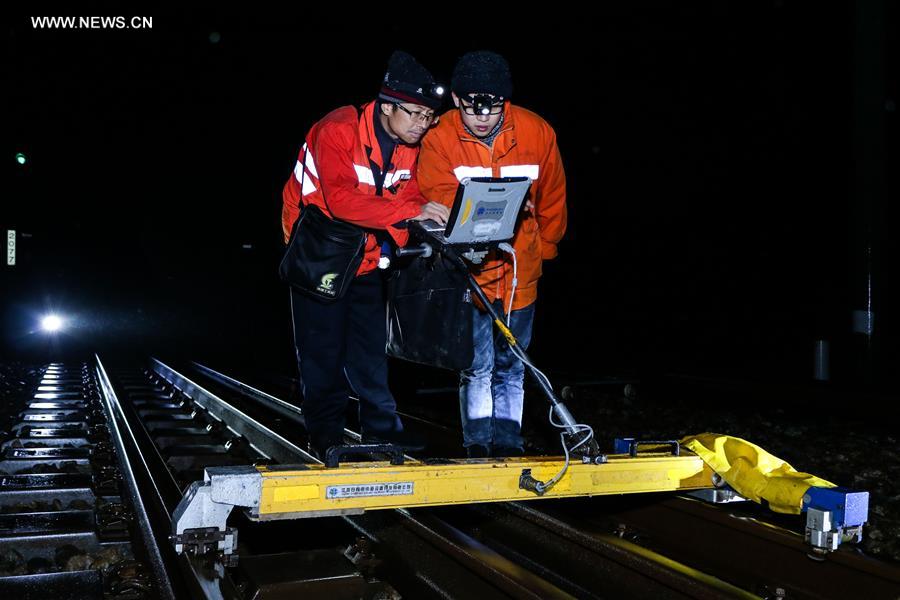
<point x="482" y="103"/>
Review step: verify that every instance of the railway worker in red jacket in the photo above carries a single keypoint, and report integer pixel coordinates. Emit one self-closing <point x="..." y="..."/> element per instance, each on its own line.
<point x="487" y="136"/>
<point x="359" y="165"/>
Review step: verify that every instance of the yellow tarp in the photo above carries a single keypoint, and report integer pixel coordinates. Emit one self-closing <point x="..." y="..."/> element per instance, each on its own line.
<point x="752" y="472"/>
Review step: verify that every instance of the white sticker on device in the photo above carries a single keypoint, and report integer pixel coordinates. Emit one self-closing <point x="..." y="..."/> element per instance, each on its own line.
<point x="365" y="490"/>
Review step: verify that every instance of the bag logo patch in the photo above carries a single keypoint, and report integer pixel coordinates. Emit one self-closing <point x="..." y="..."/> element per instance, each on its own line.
<point x="326" y="285"/>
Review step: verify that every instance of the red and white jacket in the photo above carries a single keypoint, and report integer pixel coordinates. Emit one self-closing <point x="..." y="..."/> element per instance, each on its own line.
<point x="339" y="179"/>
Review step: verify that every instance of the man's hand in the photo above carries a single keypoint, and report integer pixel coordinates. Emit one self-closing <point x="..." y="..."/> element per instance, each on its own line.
<point x="434" y="211"/>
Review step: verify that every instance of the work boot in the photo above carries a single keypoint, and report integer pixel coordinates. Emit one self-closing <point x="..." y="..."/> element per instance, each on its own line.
<point x="477" y="451"/>
<point x="505" y="451"/>
<point x="319" y="445"/>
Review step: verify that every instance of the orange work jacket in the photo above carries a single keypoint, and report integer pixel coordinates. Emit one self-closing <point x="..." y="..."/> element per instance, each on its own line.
<point x="525" y="145"/>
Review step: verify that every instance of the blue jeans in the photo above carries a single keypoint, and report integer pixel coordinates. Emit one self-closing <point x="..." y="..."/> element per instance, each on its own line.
<point x="491" y="394"/>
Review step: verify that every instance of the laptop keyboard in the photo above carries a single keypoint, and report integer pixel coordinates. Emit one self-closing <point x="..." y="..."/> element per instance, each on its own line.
<point x="432" y="226"/>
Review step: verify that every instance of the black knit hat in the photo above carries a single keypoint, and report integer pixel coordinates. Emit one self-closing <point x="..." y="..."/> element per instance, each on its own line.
<point x="482" y="72"/>
<point x="408" y="81"/>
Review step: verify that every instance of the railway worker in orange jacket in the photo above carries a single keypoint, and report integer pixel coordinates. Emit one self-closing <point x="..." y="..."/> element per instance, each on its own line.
<point x="359" y="165"/>
<point x="487" y="136"/>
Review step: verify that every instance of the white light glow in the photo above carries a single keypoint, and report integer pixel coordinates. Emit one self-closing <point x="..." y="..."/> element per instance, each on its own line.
<point x="51" y="323"/>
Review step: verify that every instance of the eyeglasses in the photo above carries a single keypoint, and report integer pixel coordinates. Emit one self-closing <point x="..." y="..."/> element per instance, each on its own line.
<point x="417" y="115"/>
<point x="482" y="107"/>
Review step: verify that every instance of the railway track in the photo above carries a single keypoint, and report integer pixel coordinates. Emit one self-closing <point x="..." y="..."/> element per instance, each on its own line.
<point x="165" y="423"/>
<point x="71" y="522"/>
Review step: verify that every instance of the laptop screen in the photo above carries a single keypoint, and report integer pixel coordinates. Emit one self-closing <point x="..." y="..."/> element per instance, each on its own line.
<point x="486" y="209"/>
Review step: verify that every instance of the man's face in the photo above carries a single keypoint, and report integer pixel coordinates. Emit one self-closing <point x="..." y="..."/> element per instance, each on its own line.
<point x="407" y="121"/>
<point x="480" y="125"/>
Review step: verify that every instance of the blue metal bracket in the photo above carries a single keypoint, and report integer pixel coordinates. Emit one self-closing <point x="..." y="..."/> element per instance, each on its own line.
<point x="834" y="515"/>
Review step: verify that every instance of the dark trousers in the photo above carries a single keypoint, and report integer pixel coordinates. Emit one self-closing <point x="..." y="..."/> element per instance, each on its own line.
<point x="341" y="350"/>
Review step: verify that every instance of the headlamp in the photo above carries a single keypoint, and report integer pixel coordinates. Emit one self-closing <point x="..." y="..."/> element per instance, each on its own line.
<point x="482" y="103"/>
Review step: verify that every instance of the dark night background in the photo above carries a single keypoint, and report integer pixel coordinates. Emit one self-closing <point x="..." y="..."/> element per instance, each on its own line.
<point x="728" y="169"/>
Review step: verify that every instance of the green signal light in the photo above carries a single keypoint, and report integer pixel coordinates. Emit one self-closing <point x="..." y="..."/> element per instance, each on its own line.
<point x="20" y="158"/>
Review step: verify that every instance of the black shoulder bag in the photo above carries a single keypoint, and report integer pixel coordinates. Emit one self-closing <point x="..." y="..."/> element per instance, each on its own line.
<point x="323" y="254"/>
<point x="430" y="314"/>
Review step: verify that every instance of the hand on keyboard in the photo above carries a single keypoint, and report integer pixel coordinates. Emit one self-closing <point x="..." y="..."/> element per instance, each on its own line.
<point x="434" y="211"/>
